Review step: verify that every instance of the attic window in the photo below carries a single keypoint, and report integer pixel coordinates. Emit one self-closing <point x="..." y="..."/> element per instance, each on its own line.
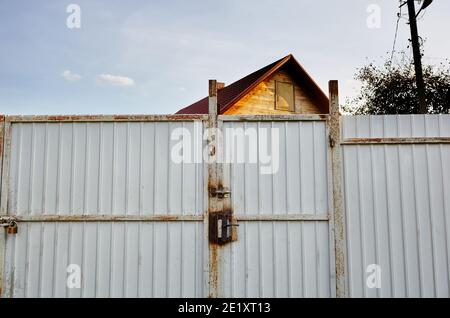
<point x="284" y="96"/>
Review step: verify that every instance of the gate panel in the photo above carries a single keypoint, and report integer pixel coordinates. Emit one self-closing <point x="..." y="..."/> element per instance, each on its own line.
<point x="116" y="259"/>
<point x="283" y="247"/>
<point x="108" y="197"/>
<point x="278" y="259"/>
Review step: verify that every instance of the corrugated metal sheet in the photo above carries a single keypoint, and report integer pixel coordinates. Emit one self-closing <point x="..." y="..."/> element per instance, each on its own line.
<point x="298" y="186"/>
<point x="279" y="258"/>
<point x="398" y="207"/>
<point x="104" y="169"/>
<point x="395" y="126"/>
<point x="117" y="259"/>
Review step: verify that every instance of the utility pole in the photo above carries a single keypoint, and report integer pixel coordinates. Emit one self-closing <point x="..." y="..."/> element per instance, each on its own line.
<point x="417" y="56"/>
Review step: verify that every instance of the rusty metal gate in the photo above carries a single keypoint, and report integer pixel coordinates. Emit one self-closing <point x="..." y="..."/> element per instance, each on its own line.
<point x="103" y="198"/>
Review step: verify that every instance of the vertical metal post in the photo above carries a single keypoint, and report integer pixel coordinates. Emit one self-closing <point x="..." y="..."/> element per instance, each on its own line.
<point x="338" y="204"/>
<point x="3" y="196"/>
<point x="214" y="175"/>
<point x="417" y="57"/>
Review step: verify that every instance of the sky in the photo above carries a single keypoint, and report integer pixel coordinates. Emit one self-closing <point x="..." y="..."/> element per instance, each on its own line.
<point x="155" y="57"/>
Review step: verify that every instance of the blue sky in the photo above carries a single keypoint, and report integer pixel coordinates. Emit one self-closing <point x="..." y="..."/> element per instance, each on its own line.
<point x="154" y="57"/>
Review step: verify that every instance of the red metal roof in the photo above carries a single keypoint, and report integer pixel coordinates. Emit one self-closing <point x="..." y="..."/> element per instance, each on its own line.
<point x="232" y="93"/>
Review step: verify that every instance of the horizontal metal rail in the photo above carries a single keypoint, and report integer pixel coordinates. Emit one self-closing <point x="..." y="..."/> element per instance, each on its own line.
<point x="162" y="218"/>
<point x="150" y="118"/>
<point x="283" y="217"/>
<point x="396" y="141"/>
<point x="293" y="117"/>
<point x="102" y="118"/>
<point x="106" y="218"/>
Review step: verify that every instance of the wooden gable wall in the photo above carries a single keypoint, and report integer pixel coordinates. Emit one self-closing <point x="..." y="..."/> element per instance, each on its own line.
<point x="261" y="100"/>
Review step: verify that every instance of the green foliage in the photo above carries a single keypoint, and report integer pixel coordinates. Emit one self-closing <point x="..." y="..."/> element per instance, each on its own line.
<point x="391" y="89"/>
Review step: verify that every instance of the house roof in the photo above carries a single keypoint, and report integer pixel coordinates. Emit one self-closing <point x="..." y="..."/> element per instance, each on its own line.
<point x="229" y="95"/>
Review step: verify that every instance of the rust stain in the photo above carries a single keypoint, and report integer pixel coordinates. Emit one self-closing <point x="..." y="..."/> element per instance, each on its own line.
<point x="365" y="140"/>
<point x="212" y="151"/>
<point x="108" y="218"/>
<point x="168" y="218"/>
<point x="213" y="270"/>
<point x="66" y="118"/>
<point x="182" y="117"/>
<point x="281" y="117"/>
<point x="396" y="140"/>
<point x="105" y="118"/>
<point x="211" y="189"/>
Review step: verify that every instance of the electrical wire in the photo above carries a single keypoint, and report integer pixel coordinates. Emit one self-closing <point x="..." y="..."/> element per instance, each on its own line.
<point x="399" y="16"/>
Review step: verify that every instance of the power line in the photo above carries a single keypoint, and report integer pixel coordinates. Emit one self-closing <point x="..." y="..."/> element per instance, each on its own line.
<point x="399" y="16"/>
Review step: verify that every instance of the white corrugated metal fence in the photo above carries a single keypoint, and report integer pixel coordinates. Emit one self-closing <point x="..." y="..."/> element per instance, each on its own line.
<point x="397" y="200"/>
<point x="104" y="194"/>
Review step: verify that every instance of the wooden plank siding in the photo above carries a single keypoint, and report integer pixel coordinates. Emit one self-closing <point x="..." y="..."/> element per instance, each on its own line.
<point x="261" y="100"/>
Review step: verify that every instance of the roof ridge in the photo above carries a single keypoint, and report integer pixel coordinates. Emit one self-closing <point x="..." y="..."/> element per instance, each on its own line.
<point x="260" y="75"/>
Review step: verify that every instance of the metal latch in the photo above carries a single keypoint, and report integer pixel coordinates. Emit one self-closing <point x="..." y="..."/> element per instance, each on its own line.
<point x="9" y="223"/>
<point x="221" y="227"/>
<point x="220" y="192"/>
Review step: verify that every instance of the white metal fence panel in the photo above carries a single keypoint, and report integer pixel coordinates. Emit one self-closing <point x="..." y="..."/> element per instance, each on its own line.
<point x="395" y="126"/>
<point x="299" y="183"/>
<point x="276" y="257"/>
<point x="102" y="168"/>
<point x="105" y="169"/>
<point x="398" y="207"/>
<point x="116" y="259"/>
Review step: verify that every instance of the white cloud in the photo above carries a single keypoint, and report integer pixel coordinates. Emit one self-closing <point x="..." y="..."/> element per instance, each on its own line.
<point x="71" y="77"/>
<point x="115" y="80"/>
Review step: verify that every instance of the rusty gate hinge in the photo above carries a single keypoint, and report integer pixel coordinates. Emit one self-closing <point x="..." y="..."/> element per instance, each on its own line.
<point x="10" y="223"/>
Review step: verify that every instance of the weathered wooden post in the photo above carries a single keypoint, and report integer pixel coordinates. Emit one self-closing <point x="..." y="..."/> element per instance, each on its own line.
<point x="212" y="99"/>
<point x="213" y="183"/>
<point x="338" y="204"/>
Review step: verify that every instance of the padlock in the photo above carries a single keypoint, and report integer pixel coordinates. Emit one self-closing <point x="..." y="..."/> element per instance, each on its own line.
<point x="12" y="228"/>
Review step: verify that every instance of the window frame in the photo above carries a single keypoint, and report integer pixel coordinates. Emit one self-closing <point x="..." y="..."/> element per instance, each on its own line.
<point x="293" y="96"/>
